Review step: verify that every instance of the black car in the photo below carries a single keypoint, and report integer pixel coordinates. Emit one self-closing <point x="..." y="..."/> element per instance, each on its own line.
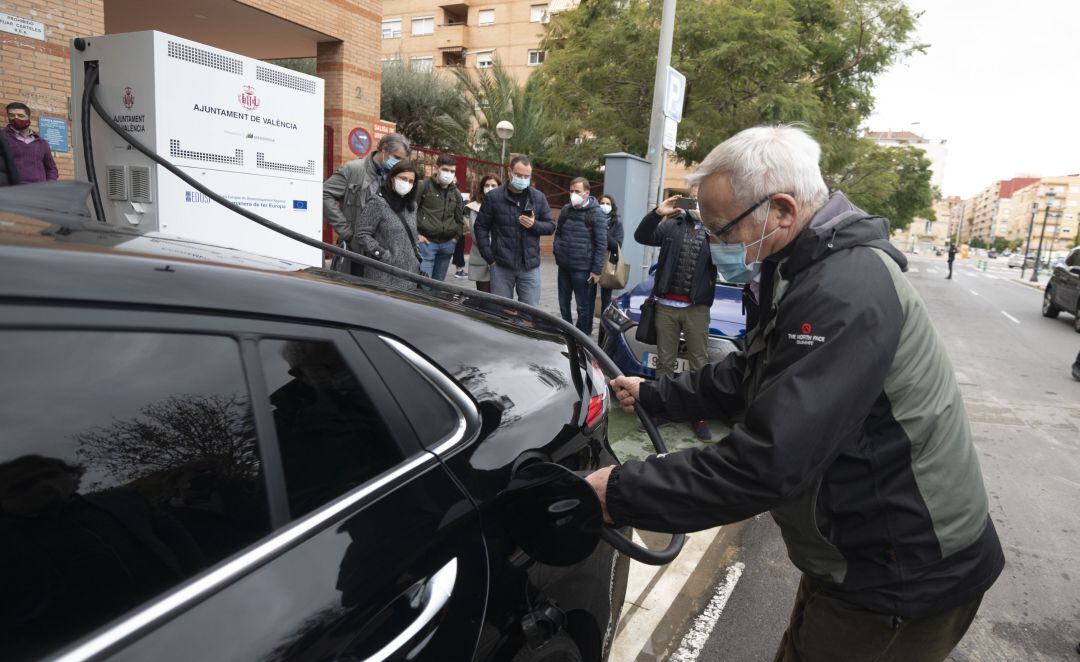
<point x="212" y="455"/>
<point x="1063" y="291"/>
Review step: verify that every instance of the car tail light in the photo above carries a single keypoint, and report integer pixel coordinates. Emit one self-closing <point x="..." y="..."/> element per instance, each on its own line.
<point x="597" y="408"/>
<point x="598" y="404"/>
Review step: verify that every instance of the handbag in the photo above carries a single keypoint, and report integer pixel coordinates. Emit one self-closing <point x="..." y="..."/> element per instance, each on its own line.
<point x="615" y="274"/>
<point x="646" y="328"/>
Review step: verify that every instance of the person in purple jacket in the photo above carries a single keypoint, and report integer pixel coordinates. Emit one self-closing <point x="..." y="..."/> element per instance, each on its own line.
<point x="31" y="154"/>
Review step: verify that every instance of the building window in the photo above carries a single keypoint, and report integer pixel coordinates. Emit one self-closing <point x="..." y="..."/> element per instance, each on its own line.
<point x="929" y="227"/>
<point x="391" y="29"/>
<point x="536" y="57"/>
<point x="422" y="27"/>
<point x="539" y="14"/>
<point x="486" y="17"/>
<point x="391" y="60"/>
<point x="422" y="63"/>
<point x="485" y="60"/>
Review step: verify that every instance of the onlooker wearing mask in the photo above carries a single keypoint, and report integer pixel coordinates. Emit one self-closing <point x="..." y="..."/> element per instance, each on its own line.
<point x="508" y="229"/>
<point x="479" y="272"/>
<point x="31" y="155"/>
<point x="685" y="287"/>
<point x="580" y="241"/>
<point x="614" y="240"/>
<point x="386" y="229"/>
<point x="952" y="258"/>
<point x="439" y="218"/>
<point x="348" y="190"/>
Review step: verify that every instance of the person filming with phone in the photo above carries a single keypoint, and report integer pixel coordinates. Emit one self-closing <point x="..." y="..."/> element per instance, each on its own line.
<point x="508" y="228"/>
<point x="684" y="287"/>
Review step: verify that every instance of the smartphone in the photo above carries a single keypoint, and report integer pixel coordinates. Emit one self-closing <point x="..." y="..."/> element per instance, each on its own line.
<point x="528" y="212"/>
<point x="685" y="203"/>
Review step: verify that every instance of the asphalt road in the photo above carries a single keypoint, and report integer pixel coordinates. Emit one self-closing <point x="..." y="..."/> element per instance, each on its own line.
<point x="1013" y="368"/>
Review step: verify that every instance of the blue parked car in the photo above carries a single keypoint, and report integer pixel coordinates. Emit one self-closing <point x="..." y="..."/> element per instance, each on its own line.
<point x="618" y="324"/>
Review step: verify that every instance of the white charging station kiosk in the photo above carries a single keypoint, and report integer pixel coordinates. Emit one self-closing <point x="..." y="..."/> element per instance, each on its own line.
<point x="248" y="130"/>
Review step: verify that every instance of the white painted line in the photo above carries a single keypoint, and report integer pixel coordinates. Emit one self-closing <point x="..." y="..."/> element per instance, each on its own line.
<point x="991" y="277"/>
<point x="1010" y="317"/>
<point x="703" y="625"/>
<point x="974" y="292"/>
<point x="931" y="270"/>
<point x="913" y="270"/>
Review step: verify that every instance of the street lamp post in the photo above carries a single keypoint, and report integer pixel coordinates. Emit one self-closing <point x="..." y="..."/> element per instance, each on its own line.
<point x="505" y="131"/>
<point x="1038" y="253"/>
<point x="1027" y="247"/>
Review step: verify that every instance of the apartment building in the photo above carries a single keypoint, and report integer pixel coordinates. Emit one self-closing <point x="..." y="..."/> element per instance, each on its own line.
<point x="1050" y="202"/>
<point x="936" y="150"/>
<point x="992" y="209"/>
<point x="926" y="235"/>
<point x="439" y="35"/>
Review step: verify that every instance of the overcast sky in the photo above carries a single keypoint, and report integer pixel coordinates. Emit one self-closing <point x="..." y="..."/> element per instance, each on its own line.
<point x="1000" y="82"/>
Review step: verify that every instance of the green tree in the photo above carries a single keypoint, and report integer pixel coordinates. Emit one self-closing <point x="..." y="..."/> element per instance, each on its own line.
<point x="428" y="107"/>
<point x="747" y="62"/>
<point x="891" y="181"/>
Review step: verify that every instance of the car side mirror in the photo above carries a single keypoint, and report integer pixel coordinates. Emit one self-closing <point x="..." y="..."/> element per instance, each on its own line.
<point x="1075" y="270"/>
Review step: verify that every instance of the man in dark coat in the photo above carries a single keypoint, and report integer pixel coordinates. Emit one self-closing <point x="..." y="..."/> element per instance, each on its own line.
<point x="9" y="174"/>
<point x="580" y="240"/>
<point x="508" y="229"/>
<point x="952" y="257"/>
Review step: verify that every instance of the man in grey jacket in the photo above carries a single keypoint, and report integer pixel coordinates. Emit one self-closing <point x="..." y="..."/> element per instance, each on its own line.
<point x="348" y="189"/>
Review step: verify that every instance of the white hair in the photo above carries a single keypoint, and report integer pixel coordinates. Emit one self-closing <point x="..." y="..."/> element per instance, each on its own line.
<point x="764" y="160"/>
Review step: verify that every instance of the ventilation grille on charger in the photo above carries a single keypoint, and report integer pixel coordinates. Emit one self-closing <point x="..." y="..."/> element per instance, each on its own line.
<point x="206" y="58"/>
<point x="140" y="184"/>
<point x="268" y="75"/>
<point x="236" y="159"/>
<point x="117" y="182"/>
<point x="260" y="162"/>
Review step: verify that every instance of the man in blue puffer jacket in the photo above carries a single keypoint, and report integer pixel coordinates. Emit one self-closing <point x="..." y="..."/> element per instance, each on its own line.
<point x="508" y="228"/>
<point x="580" y="240"/>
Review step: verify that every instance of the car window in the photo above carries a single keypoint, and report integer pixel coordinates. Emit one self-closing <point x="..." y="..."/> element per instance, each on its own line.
<point x="432" y="416"/>
<point x="331" y="436"/>
<point x="128" y="463"/>
<point x="1074" y="259"/>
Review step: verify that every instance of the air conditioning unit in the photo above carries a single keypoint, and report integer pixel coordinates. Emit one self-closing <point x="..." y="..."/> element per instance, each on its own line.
<point x="250" y="131"/>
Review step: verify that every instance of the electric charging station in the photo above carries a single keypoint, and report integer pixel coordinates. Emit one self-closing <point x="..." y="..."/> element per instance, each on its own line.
<point x="249" y="130"/>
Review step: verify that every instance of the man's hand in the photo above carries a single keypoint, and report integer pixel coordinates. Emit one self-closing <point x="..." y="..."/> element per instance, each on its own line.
<point x="422" y="239"/>
<point x="526" y="221"/>
<point x="667" y="207"/>
<point x="626" y="391"/>
<point x="598" y="481"/>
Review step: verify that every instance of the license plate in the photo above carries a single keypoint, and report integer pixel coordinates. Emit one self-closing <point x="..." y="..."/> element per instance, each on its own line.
<point x="649" y="359"/>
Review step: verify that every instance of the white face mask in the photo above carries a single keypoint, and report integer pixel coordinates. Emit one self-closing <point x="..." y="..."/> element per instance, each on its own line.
<point x="606" y="208"/>
<point x="445" y="177"/>
<point x="576" y="199"/>
<point x="402" y="187"/>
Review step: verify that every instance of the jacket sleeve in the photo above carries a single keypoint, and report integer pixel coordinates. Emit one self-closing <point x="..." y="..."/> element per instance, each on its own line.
<point x="51" y="173"/>
<point x="333" y="194"/>
<point x="482" y="232"/>
<point x="544" y="224"/>
<point x="459" y="213"/>
<point x="366" y="227"/>
<point x="599" y="241"/>
<point x="829" y="356"/>
<point x="652" y="230"/>
<point x="615" y="236"/>
<point x="715" y="391"/>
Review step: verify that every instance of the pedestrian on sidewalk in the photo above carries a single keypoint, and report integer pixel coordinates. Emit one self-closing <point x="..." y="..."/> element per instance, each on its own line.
<point x="685" y="285"/>
<point x="508" y="228"/>
<point x="952" y="257"/>
<point x="614" y="240"/>
<point x="439" y="218"/>
<point x="580" y="241"/>
<point x="347" y="191"/>
<point x="31" y="155"/>
<point x="479" y="272"/>
<point x="386" y="229"/>
<point x="851" y="425"/>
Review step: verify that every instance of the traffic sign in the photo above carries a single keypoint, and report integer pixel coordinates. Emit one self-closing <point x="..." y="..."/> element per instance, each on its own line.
<point x="671" y="129"/>
<point x="674" y="94"/>
<point x="359" y="141"/>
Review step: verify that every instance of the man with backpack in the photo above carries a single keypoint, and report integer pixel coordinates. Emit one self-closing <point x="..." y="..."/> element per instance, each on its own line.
<point x="439" y="218"/>
<point x="580" y="240"/>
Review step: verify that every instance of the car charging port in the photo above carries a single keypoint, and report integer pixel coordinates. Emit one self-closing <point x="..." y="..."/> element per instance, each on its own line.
<point x="542" y="623"/>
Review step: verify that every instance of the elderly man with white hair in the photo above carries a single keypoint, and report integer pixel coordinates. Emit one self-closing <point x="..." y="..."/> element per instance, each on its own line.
<point x="851" y="428"/>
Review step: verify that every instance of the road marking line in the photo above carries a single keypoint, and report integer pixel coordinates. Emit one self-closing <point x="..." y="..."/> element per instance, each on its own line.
<point x="931" y="271"/>
<point x="991" y="277"/>
<point x="913" y="270"/>
<point x="703" y="625"/>
<point x="1010" y="317"/>
<point x="974" y="292"/>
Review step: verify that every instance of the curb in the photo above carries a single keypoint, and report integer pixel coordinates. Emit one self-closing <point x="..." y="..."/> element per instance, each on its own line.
<point x="1028" y="283"/>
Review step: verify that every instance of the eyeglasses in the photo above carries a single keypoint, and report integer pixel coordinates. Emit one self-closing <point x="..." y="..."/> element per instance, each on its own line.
<point x="731" y="225"/>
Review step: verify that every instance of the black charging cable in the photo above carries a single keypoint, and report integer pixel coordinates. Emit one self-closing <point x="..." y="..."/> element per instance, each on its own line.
<point x="90" y="81"/>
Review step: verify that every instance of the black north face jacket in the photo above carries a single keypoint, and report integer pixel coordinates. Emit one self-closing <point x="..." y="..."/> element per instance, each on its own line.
<point x="852" y="432"/>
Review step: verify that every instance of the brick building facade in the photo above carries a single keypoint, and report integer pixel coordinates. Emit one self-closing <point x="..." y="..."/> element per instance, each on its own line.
<point x="342" y="34"/>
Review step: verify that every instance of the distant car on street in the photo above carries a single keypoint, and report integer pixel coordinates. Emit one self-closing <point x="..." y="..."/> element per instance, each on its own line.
<point x="618" y="327"/>
<point x="1017" y="260"/>
<point x="991" y="255"/>
<point x="1063" y="290"/>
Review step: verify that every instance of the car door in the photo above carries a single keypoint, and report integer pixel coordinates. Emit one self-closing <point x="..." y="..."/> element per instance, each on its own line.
<point x="353" y="542"/>
<point x="1069" y="288"/>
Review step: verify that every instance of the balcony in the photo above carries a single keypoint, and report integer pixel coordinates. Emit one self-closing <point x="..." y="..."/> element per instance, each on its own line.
<point x="450" y="37"/>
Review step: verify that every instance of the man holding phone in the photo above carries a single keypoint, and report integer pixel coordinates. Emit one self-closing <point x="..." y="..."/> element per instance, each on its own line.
<point x="685" y="284"/>
<point x="508" y="228"/>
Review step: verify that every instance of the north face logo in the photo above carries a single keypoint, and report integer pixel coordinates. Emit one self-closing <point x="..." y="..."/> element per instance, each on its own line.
<point x="806" y="336"/>
<point x="806" y="329"/>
